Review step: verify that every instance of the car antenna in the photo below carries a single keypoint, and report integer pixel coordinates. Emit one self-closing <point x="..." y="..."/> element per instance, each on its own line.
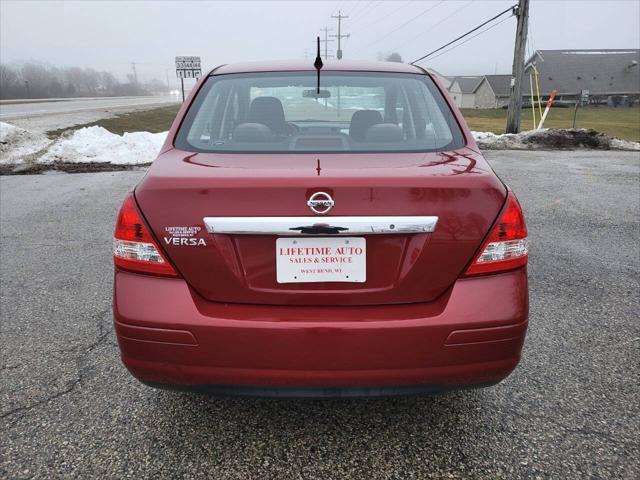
<point x="318" y="64"/>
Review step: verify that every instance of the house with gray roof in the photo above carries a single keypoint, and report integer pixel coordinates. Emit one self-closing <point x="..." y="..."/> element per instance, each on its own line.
<point x="462" y="90"/>
<point x="493" y="91"/>
<point x="603" y="73"/>
<point x="481" y="91"/>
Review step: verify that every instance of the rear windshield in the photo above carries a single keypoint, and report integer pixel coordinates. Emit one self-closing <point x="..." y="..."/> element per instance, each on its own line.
<point x="353" y="112"/>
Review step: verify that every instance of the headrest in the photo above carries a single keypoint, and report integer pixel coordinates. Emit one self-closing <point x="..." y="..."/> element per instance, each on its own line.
<point x="361" y="121"/>
<point x="384" y="132"/>
<point x="252" y="132"/>
<point x="268" y="111"/>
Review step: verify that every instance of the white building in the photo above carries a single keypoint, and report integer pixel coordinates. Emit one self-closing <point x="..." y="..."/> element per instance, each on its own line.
<point x="462" y="90"/>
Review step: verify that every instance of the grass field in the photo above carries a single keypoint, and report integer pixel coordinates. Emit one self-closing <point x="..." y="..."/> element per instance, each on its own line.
<point x="155" y="120"/>
<point x="621" y="122"/>
<point x="36" y="100"/>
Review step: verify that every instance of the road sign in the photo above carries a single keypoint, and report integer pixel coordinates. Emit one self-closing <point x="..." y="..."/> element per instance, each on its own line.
<point x="188" y="67"/>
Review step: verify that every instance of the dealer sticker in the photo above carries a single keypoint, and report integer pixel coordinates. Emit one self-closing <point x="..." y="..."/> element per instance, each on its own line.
<point x="184" y="236"/>
<point x="306" y="260"/>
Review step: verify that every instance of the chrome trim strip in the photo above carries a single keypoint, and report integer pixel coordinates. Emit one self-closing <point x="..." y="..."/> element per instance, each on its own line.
<point x="295" y="226"/>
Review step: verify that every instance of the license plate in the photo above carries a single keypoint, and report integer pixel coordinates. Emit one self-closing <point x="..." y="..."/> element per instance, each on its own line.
<point x="306" y="260"/>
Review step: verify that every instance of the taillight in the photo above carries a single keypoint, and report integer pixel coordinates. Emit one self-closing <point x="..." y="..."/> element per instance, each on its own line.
<point x="133" y="246"/>
<point x="506" y="247"/>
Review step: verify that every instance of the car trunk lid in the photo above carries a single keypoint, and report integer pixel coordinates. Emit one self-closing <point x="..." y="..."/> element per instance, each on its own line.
<point x="181" y="190"/>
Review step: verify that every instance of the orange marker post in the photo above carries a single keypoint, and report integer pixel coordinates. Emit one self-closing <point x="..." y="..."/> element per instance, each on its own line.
<point x="546" y="110"/>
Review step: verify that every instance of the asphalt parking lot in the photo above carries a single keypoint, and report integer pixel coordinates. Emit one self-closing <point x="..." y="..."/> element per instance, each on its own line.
<point x="571" y="409"/>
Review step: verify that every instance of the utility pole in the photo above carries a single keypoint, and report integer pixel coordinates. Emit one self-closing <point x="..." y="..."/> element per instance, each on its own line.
<point x="326" y="40"/>
<point x="339" y="36"/>
<point x="515" y="101"/>
<point x="135" y="73"/>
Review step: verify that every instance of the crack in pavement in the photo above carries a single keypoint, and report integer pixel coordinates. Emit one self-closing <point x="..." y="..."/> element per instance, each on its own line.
<point x="9" y="367"/>
<point x="82" y="354"/>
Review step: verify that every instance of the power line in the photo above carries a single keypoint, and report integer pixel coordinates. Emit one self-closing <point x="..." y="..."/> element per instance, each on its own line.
<point x="366" y="12"/>
<point x="472" y="37"/>
<point x="357" y="8"/>
<point x="435" y="25"/>
<point x="407" y="22"/>
<point x="385" y="17"/>
<point x="312" y="23"/>
<point x="510" y="9"/>
<point x="336" y="8"/>
<point x="349" y="7"/>
<point x="332" y="11"/>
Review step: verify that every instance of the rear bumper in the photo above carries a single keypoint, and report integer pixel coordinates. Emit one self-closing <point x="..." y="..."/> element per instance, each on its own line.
<point x="471" y="336"/>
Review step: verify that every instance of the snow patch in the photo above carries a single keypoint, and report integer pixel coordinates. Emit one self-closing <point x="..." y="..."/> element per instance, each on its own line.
<point x="553" y="139"/>
<point x="619" y="144"/>
<point x="98" y="145"/>
<point x="17" y="144"/>
<point x="492" y="141"/>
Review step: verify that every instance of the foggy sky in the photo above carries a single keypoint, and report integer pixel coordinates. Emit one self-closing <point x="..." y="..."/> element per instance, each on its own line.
<point x="111" y="35"/>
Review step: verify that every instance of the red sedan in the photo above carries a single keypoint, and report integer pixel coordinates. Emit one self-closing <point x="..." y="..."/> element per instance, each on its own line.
<point x="335" y="234"/>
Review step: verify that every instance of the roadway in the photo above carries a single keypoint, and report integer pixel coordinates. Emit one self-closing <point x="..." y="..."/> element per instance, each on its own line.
<point x="69" y="409"/>
<point x="54" y="114"/>
<point x="12" y="111"/>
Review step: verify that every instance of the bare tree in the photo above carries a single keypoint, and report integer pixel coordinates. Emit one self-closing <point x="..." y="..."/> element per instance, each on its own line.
<point x="8" y="82"/>
<point x="37" y="80"/>
<point x="394" y="57"/>
<point x="389" y="57"/>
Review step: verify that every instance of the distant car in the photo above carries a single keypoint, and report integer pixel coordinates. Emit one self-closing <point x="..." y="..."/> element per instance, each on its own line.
<point x="339" y="239"/>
